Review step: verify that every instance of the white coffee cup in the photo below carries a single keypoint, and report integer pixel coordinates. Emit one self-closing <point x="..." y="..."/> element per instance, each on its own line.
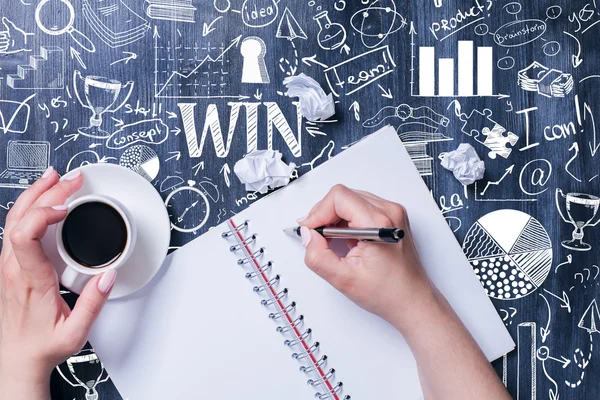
<point x="76" y="275"/>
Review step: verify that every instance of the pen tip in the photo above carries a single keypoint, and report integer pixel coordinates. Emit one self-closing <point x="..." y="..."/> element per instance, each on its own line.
<point x="291" y="231"/>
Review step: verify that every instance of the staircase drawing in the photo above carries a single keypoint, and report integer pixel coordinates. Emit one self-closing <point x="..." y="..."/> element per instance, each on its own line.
<point x="44" y="71"/>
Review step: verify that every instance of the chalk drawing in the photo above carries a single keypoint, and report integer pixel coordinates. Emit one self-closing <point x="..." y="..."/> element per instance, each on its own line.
<point x="510" y="252"/>
<point x="26" y="161"/>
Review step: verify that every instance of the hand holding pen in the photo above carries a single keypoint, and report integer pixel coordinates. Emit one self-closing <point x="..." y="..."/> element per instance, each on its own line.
<point x="373" y="275"/>
<point x="390" y="281"/>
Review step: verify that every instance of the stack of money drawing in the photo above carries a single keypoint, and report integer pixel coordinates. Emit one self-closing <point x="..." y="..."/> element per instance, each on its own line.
<point x="545" y="81"/>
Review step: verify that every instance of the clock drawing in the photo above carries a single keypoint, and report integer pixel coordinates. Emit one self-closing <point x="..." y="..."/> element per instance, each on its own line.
<point x="188" y="209"/>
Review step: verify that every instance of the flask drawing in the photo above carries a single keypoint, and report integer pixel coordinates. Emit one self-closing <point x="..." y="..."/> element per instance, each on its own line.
<point x="331" y="34"/>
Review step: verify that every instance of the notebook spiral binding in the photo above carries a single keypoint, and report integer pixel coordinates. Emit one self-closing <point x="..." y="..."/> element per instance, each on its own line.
<point x="297" y="337"/>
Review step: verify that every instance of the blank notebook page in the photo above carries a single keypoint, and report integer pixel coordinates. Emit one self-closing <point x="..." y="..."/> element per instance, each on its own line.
<point x="199" y="331"/>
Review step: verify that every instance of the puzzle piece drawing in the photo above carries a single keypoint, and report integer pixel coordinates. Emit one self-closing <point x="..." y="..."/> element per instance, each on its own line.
<point x="488" y="132"/>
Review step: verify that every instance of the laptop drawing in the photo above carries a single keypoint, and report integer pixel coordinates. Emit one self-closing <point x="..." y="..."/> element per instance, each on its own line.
<point x="26" y="161"/>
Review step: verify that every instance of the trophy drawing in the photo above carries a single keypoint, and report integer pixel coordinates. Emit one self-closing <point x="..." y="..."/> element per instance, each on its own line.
<point x="581" y="210"/>
<point x="89" y="359"/>
<point x="101" y="95"/>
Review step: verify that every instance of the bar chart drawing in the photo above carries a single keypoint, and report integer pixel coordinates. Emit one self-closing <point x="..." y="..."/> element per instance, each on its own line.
<point x="450" y="77"/>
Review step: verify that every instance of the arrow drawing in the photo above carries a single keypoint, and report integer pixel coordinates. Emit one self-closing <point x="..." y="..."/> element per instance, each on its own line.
<point x="234" y="43"/>
<point x="171" y="115"/>
<point x="105" y="159"/>
<point x="387" y="94"/>
<point x="569" y="260"/>
<point x="588" y="111"/>
<point x="77" y="56"/>
<point x="130" y="56"/>
<point x="544" y="332"/>
<point x="119" y="122"/>
<point x="71" y="137"/>
<point x="198" y="167"/>
<point x="313" y="59"/>
<point x="176" y="155"/>
<point x="226" y="171"/>
<point x="413" y="33"/>
<point x="576" y="59"/>
<point x="509" y="170"/>
<point x="575" y="147"/>
<point x="564" y="301"/>
<point x="356" y="108"/>
<point x="176" y="131"/>
<point x="564" y="361"/>
<point x="208" y="28"/>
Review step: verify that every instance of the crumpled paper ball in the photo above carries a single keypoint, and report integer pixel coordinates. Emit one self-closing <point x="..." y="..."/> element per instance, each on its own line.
<point x="315" y="105"/>
<point x="464" y="163"/>
<point x="262" y="170"/>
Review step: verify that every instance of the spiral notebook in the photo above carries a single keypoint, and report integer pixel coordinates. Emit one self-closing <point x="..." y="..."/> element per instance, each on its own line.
<point x="235" y="314"/>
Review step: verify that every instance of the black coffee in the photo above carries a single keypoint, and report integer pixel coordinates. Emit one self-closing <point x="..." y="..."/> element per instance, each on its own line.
<point x="94" y="234"/>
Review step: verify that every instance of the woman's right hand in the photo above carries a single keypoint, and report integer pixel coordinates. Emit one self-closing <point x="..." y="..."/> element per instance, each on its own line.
<point x="389" y="280"/>
<point x="385" y="279"/>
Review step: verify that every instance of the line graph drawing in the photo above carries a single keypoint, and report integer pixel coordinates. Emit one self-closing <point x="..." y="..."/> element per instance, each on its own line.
<point x="206" y="77"/>
<point x="509" y="170"/>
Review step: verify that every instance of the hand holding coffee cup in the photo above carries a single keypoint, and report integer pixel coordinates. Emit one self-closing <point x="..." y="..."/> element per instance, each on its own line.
<point x="97" y="235"/>
<point x="37" y="328"/>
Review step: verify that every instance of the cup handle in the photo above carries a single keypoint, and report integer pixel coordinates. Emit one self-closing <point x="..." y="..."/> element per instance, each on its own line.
<point x="77" y="77"/>
<point x="597" y="217"/>
<point x="68" y="277"/>
<point x="558" y="204"/>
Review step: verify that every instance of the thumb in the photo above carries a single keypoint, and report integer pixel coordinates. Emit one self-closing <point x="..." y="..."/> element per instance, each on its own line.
<point x="8" y="24"/>
<point x="89" y="304"/>
<point x="323" y="261"/>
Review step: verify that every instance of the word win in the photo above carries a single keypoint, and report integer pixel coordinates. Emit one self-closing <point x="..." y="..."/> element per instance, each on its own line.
<point x="212" y="124"/>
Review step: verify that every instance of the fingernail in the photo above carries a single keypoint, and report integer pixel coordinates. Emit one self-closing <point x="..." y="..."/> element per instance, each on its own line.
<point x="60" y="207"/>
<point x="306" y="236"/>
<point x="47" y="172"/>
<point x="301" y="219"/>
<point x="107" y="281"/>
<point x="73" y="175"/>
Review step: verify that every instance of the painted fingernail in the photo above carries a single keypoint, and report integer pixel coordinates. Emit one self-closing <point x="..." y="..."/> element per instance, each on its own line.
<point x="60" y="207"/>
<point x="107" y="281"/>
<point x="47" y="172"/>
<point x="73" y="175"/>
<point x="306" y="236"/>
<point x="301" y="219"/>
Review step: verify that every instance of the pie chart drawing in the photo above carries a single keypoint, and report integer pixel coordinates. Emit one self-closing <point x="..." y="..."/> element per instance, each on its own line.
<point x="141" y="159"/>
<point x="510" y="252"/>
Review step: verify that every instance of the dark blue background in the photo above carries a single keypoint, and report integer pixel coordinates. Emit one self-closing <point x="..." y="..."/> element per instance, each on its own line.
<point x="565" y="336"/>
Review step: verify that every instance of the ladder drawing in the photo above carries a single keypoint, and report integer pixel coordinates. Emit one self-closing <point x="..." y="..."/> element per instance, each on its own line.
<point x="44" y="71"/>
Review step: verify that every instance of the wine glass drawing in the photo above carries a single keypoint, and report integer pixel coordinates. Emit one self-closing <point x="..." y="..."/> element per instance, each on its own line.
<point x="101" y="95"/>
<point x="581" y="210"/>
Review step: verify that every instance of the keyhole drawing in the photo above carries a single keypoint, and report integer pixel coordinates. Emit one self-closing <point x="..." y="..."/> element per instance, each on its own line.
<point x="253" y="50"/>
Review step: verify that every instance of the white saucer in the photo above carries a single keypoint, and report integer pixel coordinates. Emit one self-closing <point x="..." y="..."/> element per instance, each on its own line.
<point x="148" y="213"/>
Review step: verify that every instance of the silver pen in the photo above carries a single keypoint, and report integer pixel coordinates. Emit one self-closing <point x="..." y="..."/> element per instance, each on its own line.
<point x="375" y="235"/>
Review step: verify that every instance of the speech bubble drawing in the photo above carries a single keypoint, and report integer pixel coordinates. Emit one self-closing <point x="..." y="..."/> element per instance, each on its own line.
<point x="520" y="32"/>
<point x="151" y="131"/>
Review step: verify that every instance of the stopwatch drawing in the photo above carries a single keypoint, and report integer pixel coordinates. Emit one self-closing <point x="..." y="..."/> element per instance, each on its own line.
<point x="188" y="209"/>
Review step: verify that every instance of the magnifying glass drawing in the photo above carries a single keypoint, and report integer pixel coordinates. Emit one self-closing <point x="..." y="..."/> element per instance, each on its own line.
<point x="77" y="36"/>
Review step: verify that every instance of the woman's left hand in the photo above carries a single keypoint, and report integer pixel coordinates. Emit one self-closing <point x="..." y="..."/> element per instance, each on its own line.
<point x="38" y="331"/>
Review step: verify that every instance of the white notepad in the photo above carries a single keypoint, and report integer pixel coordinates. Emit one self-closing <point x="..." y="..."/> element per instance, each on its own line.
<point x="199" y="330"/>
